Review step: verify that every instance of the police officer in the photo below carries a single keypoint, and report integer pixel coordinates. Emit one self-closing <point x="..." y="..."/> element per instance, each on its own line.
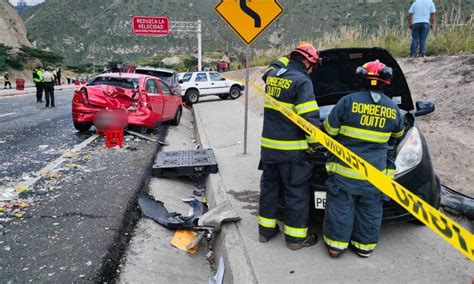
<point x="38" y="79"/>
<point x="283" y="145"/>
<point x="364" y="122"/>
<point x="48" y="83"/>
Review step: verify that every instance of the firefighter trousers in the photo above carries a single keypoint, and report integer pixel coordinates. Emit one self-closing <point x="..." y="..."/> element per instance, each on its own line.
<point x="352" y="218"/>
<point x="293" y="178"/>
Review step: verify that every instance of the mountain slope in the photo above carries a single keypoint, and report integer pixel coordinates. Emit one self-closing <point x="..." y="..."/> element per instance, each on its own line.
<point x="90" y="30"/>
<point x="12" y="29"/>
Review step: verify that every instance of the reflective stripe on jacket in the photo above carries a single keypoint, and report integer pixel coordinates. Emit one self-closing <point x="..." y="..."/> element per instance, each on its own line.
<point x="282" y="140"/>
<point x="365" y="127"/>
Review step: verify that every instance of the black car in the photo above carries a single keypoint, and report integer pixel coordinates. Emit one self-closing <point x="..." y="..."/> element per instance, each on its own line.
<point x="170" y="76"/>
<point x="335" y="79"/>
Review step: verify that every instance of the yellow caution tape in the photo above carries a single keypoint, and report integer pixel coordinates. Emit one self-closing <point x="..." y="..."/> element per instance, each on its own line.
<point x="452" y="232"/>
<point x="21" y="189"/>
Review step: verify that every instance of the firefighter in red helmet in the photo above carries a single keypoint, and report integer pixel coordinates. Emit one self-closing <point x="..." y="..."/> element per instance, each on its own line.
<point x="283" y="146"/>
<point x="364" y="122"/>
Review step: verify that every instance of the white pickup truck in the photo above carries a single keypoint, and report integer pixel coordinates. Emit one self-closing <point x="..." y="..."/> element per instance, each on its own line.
<point x="199" y="84"/>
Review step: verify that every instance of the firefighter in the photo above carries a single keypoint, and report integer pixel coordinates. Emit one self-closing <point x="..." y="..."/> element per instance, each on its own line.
<point x="283" y="146"/>
<point x="364" y="122"/>
<point x="38" y="79"/>
<point x="281" y="62"/>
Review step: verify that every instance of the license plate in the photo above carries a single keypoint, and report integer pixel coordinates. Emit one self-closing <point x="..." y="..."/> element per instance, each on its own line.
<point x="320" y="199"/>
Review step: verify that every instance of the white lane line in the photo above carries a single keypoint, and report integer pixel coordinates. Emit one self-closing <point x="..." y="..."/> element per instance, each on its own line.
<point x="23" y="186"/>
<point x="7" y="114"/>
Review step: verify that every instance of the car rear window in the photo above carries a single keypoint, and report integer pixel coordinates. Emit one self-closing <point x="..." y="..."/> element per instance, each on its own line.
<point x="165" y="76"/>
<point x="126" y="83"/>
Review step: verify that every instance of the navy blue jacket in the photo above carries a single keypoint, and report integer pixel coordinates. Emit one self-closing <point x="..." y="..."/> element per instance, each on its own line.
<point x="365" y="127"/>
<point x="282" y="140"/>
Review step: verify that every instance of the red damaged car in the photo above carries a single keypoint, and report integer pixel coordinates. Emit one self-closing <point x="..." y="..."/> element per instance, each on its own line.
<point x="146" y="99"/>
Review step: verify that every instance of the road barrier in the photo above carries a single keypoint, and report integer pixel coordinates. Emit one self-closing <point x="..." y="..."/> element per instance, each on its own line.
<point x="451" y="231"/>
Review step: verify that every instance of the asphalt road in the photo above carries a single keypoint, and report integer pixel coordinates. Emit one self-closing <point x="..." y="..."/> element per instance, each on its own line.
<point x="79" y="217"/>
<point x="32" y="135"/>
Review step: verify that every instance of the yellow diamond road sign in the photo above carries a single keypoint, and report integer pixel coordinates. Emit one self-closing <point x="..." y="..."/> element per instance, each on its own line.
<point x="249" y="18"/>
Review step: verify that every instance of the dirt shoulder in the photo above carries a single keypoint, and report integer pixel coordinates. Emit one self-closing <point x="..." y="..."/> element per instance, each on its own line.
<point x="447" y="81"/>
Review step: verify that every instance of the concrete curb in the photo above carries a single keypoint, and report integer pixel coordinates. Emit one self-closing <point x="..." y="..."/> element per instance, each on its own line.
<point x="229" y="242"/>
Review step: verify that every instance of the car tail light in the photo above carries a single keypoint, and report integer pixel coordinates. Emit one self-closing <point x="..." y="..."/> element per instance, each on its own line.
<point x="80" y="96"/>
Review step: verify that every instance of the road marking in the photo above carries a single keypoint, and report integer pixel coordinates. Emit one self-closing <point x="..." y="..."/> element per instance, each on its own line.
<point x="23" y="186"/>
<point x="7" y="114"/>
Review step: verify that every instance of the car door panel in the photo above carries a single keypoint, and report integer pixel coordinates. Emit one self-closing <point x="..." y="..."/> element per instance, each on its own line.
<point x="203" y="84"/>
<point x="169" y="109"/>
<point x="155" y="99"/>
<point x="219" y="83"/>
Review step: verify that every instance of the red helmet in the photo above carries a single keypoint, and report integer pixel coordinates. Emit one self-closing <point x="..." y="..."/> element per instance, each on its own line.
<point x="374" y="71"/>
<point x="308" y="51"/>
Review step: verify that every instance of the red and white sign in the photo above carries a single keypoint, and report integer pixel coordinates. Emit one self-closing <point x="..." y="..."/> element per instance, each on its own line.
<point x="150" y="26"/>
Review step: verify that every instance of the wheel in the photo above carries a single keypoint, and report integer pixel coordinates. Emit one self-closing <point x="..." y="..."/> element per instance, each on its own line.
<point x="223" y="96"/>
<point x="234" y="92"/>
<point x="177" y="117"/>
<point x="82" y="127"/>
<point x="192" y="96"/>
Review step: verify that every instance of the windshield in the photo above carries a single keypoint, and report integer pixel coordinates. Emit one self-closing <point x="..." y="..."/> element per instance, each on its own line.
<point x="126" y="83"/>
<point x="165" y="76"/>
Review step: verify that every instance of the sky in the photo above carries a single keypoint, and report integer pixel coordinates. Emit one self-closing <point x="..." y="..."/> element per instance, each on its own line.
<point x="30" y="2"/>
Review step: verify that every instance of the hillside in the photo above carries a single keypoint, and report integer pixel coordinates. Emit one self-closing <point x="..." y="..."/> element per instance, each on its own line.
<point x="99" y="31"/>
<point x="12" y="29"/>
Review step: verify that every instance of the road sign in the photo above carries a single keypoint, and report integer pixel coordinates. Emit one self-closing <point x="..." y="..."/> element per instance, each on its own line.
<point x="150" y="26"/>
<point x="249" y="18"/>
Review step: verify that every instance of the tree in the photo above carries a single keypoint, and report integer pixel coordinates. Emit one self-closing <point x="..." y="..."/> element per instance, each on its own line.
<point x="46" y="57"/>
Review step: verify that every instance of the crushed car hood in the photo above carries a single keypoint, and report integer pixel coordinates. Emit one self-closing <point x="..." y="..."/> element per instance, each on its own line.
<point x="336" y="77"/>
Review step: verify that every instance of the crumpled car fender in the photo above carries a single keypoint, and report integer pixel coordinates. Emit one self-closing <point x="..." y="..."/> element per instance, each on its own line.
<point x="157" y="211"/>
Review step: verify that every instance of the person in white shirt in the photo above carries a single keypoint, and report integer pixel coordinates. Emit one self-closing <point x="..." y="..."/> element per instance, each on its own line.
<point x="48" y="79"/>
<point x="421" y="17"/>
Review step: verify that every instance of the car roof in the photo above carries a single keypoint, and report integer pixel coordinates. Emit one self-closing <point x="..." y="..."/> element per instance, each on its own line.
<point x="165" y="70"/>
<point x="336" y="75"/>
<point x="124" y="75"/>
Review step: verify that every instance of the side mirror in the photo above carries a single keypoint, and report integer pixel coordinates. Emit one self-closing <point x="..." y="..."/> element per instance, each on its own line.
<point x="181" y="81"/>
<point x="424" y="107"/>
<point x="223" y="79"/>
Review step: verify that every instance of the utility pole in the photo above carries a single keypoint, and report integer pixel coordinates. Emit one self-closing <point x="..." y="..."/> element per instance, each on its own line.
<point x="199" y="31"/>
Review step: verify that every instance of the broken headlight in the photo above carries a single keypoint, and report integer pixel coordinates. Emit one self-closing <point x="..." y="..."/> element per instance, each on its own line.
<point x="409" y="151"/>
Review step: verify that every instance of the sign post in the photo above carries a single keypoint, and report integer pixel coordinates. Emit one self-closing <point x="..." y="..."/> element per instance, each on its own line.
<point x="247" y="51"/>
<point x="248" y="19"/>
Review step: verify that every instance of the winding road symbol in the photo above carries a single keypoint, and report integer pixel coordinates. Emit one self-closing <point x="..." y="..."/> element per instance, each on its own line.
<point x="249" y="18"/>
<point x="251" y="13"/>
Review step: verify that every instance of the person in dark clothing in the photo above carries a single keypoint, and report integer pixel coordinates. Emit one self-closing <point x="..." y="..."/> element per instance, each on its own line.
<point x="6" y="77"/>
<point x="364" y="122"/>
<point x="58" y="75"/>
<point x="38" y="79"/>
<point x="283" y="146"/>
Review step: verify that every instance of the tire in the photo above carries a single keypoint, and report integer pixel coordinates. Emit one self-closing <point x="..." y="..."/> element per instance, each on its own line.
<point x="192" y="96"/>
<point x="223" y="96"/>
<point x="234" y="92"/>
<point x="177" y="117"/>
<point x="82" y="127"/>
